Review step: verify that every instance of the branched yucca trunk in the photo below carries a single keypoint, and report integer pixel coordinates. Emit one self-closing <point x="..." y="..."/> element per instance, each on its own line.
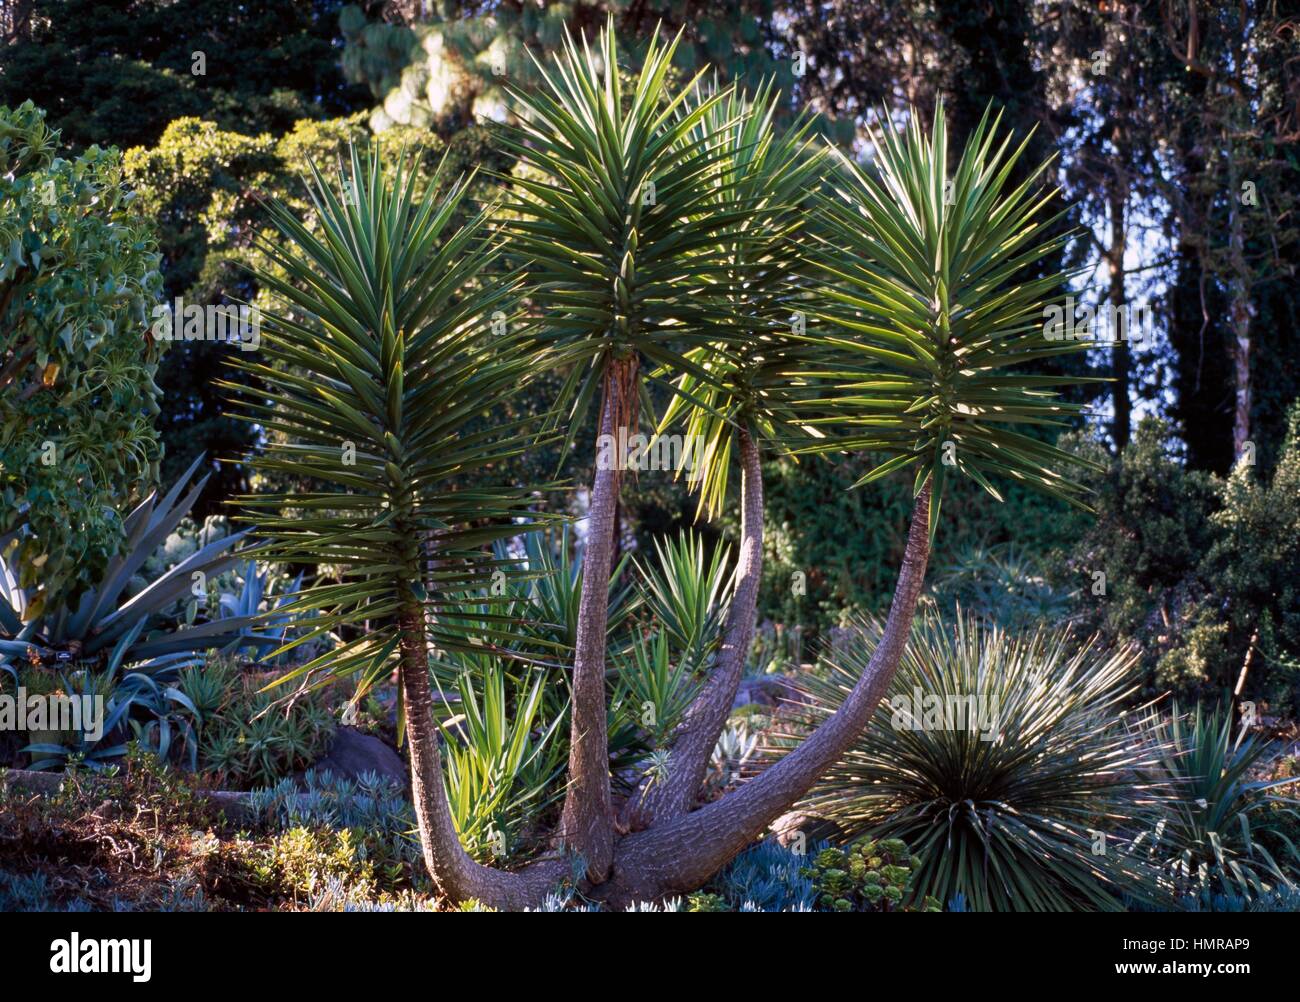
<point x="679" y="855"/>
<point x="703" y="722"/>
<point x="587" y="822"/>
<point x="456" y="875"/>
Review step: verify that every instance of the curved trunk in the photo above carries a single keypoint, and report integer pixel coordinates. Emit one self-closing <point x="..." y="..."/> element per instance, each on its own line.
<point x="587" y="821"/>
<point x="680" y="854"/>
<point x="456" y="875"/>
<point x="707" y="715"/>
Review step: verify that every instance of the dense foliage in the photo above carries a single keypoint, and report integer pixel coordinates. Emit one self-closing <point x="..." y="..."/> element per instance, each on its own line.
<point x="1200" y="572"/>
<point x="119" y="73"/>
<point x="1000" y="759"/>
<point x="78" y="283"/>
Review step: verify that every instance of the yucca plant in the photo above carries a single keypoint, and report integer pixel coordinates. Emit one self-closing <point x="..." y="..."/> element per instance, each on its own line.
<point x="615" y="206"/>
<point x="1207" y="840"/>
<point x="742" y="388"/>
<point x="922" y="307"/>
<point x="505" y="760"/>
<point x="657" y="687"/>
<point x="924" y="273"/>
<point x="618" y="216"/>
<point x="386" y="360"/>
<point x="1003" y="759"/>
<point x="687" y="592"/>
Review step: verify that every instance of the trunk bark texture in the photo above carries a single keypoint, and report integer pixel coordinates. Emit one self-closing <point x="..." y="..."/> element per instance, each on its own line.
<point x="587" y="821"/>
<point x="703" y="722"/>
<point x="679" y="855"/>
<point x="456" y="875"/>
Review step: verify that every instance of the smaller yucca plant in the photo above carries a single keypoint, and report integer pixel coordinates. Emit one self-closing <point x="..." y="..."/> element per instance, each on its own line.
<point x="657" y="685"/>
<point x="687" y="592"/>
<point x="1001" y="759"/>
<point x="1208" y="838"/>
<point x="505" y="758"/>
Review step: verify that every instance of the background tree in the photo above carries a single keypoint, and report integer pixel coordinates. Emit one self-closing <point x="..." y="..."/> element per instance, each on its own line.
<point x="1102" y="59"/>
<point x="78" y="281"/>
<point x="119" y="73"/>
<point x="1237" y="209"/>
<point x="452" y="64"/>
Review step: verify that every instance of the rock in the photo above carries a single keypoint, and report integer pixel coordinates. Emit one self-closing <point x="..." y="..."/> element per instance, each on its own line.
<point x="766" y="690"/>
<point x="354" y="753"/>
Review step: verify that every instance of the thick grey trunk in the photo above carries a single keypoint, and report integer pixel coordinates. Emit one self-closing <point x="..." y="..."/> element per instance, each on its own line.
<point x="454" y="873"/>
<point x="703" y="722"/>
<point x="680" y="854"/>
<point x="587" y="821"/>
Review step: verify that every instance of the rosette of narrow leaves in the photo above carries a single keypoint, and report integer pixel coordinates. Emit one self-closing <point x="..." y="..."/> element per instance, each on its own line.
<point x="751" y="378"/>
<point x="616" y="203"/>
<point x="383" y="363"/>
<point x="933" y="305"/>
<point x="658" y="685"/>
<point x="550" y="585"/>
<point x="1002" y="760"/>
<point x="1211" y="837"/>
<point x="505" y="759"/>
<point x="686" y="592"/>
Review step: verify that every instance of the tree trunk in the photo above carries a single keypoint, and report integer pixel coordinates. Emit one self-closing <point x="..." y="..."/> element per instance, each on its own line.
<point x="1242" y="313"/>
<point x="1243" y="310"/>
<point x="454" y="873"/>
<point x="1121" y="357"/>
<point x="587" y="822"/>
<point x="679" y="855"/>
<point x="703" y="722"/>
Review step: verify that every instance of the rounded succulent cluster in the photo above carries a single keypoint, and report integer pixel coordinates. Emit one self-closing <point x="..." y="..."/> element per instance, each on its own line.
<point x="866" y="876"/>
